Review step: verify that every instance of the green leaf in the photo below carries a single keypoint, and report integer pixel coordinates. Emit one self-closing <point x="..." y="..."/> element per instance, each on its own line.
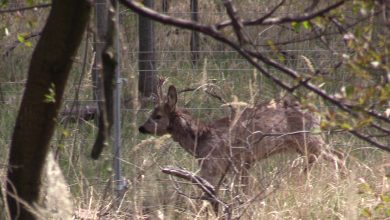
<point x="296" y="26"/>
<point x="50" y="97"/>
<point x="65" y="133"/>
<point x="281" y="58"/>
<point x="346" y="126"/>
<point x="28" y="44"/>
<point x="307" y="25"/>
<point x="20" y="38"/>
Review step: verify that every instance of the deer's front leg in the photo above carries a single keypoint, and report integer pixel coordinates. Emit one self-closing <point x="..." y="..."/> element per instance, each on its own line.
<point x="210" y="170"/>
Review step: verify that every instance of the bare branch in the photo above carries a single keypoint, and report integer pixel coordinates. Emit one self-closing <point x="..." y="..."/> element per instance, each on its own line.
<point x="321" y="34"/>
<point x="370" y="140"/>
<point x="107" y="82"/>
<point x="272" y="11"/>
<point x="17" y="42"/>
<point x="212" y="94"/>
<point x="204" y="185"/>
<point x="24" y="8"/>
<point x="387" y="131"/>
<point x="236" y="21"/>
<point x="305" y="82"/>
<point x="165" y="19"/>
<point x="286" y="19"/>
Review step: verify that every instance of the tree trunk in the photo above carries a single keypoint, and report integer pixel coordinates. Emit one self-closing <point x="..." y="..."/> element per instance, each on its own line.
<point x="194" y="42"/>
<point x="148" y="80"/>
<point x="48" y="72"/>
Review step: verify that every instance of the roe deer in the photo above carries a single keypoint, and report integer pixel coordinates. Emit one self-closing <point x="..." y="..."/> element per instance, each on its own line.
<point x="251" y="135"/>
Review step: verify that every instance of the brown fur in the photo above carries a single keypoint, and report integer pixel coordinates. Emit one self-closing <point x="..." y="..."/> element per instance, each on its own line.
<point x="236" y="143"/>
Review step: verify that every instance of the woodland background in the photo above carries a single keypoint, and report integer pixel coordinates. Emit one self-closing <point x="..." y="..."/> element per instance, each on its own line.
<point x="343" y="51"/>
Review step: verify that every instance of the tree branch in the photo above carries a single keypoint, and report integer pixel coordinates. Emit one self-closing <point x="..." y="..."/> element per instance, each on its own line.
<point x="369" y="140"/>
<point x="286" y="19"/>
<point x="107" y="78"/>
<point x="24" y="8"/>
<point x="203" y="184"/>
<point x="17" y="42"/>
<point x="236" y="22"/>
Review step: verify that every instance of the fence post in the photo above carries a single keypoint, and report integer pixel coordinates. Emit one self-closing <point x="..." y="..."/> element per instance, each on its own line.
<point x="119" y="182"/>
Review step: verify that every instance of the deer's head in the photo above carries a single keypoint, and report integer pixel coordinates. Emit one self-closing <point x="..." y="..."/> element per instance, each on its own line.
<point x="159" y="121"/>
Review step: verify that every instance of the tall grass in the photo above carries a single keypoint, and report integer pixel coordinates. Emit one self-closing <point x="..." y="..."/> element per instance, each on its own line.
<point x="279" y="189"/>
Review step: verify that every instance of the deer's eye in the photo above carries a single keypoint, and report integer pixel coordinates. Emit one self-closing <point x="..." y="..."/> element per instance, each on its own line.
<point x="157" y="117"/>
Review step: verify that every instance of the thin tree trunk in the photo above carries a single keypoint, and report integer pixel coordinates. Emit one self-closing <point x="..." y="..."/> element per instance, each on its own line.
<point x="194" y="43"/>
<point x="148" y="80"/>
<point x="48" y="72"/>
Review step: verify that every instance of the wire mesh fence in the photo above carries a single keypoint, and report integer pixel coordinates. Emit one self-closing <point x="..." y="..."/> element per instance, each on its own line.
<point x="219" y="68"/>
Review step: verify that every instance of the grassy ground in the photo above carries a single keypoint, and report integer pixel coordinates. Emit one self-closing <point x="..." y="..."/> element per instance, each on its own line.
<point x="279" y="189"/>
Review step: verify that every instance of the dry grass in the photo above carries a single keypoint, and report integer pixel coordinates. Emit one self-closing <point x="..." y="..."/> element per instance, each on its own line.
<point x="279" y="189"/>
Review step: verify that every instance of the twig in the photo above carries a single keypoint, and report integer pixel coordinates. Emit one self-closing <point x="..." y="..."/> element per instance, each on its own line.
<point x="17" y="42"/>
<point x="236" y="22"/>
<point x="222" y="100"/>
<point x="385" y="130"/>
<point x="24" y="8"/>
<point x="267" y="15"/>
<point x="331" y="33"/>
<point x="285" y="19"/>
<point x="204" y="185"/>
<point x="370" y="140"/>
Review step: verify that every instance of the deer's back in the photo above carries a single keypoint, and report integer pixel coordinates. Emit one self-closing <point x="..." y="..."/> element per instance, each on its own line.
<point x="258" y="132"/>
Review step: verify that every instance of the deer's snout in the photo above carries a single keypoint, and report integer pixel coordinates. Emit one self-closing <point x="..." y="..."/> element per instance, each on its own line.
<point x="142" y="130"/>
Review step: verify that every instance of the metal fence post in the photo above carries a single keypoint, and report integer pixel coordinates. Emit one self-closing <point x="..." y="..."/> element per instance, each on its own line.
<point x="119" y="182"/>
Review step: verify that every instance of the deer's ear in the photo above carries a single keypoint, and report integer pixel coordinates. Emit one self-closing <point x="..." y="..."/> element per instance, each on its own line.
<point x="172" y="97"/>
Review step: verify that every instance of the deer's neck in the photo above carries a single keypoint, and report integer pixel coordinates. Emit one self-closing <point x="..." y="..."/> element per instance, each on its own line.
<point x="190" y="132"/>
